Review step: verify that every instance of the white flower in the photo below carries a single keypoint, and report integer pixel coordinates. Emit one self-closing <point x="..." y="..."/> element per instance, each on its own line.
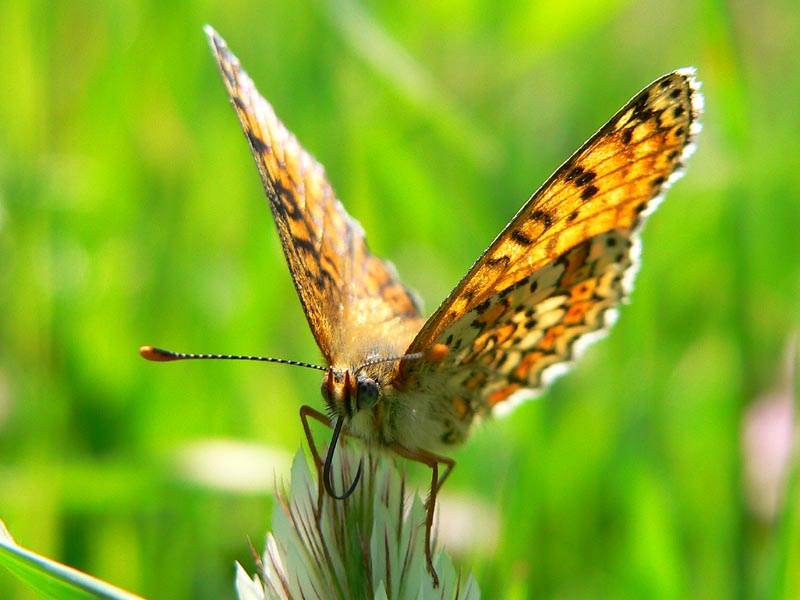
<point x="369" y="545"/>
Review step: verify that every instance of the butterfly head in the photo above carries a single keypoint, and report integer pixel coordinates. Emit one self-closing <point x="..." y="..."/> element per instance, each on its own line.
<point x="354" y="394"/>
<point x="347" y="392"/>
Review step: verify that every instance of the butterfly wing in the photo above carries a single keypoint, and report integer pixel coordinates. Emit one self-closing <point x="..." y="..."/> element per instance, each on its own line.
<point x="549" y="282"/>
<point x="347" y="293"/>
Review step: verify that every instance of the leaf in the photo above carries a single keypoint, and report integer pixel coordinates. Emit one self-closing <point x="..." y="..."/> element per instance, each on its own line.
<point x="52" y="579"/>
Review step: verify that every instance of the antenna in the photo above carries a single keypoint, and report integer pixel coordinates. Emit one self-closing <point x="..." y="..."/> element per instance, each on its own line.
<point x="154" y="354"/>
<point x="434" y="353"/>
<point x="151" y="353"/>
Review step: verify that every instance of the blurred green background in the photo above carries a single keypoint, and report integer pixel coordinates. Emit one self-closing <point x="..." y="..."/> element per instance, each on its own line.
<point x="131" y="213"/>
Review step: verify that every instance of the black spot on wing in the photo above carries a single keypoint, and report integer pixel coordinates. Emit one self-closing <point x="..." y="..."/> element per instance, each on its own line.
<point x="481" y="308"/>
<point x="627" y="135"/>
<point x="542" y="217"/>
<point x="257" y="143"/>
<point x="573" y="173"/>
<point x="498" y="260"/>
<point x="520" y="238"/>
<point x="240" y="104"/>
<point x="589" y="192"/>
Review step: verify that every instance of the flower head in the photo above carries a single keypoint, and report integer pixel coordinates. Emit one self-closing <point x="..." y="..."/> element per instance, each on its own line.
<point x="369" y="545"/>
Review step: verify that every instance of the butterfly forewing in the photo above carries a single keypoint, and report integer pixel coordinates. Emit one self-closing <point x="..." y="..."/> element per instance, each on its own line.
<point x="548" y="283"/>
<point x="346" y="292"/>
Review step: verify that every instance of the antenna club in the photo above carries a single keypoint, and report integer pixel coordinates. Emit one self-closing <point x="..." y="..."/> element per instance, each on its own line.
<point x="436" y="352"/>
<point x="156" y="354"/>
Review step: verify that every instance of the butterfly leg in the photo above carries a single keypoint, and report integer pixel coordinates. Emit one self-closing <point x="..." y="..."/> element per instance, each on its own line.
<point x="429" y="459"/>
<point x="307" y="412"/>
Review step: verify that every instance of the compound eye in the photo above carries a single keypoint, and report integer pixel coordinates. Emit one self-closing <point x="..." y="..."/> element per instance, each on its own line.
<point x="367" y="393"/>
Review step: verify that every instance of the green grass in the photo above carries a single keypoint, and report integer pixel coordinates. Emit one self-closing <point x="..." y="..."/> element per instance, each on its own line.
<point x="131" y="213"/>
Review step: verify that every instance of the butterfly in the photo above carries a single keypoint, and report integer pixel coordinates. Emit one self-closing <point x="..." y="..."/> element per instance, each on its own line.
<point x="547" y="286"/>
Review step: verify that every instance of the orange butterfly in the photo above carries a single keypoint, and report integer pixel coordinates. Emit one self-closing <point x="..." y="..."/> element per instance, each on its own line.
<point x="547" y="286"/>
